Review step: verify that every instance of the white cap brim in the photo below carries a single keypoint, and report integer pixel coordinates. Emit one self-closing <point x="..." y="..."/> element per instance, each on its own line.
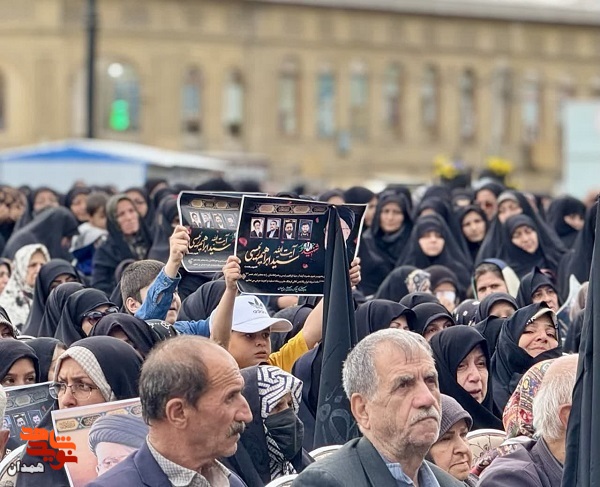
<point x="262" y="323"/>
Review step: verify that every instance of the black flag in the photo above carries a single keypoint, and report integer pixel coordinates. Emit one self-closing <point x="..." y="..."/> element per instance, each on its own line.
<point x="334" y="422"/>
<point x="582" y="462"/>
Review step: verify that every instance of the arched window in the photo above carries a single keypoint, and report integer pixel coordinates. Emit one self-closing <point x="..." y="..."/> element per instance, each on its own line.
<point x="467" y="105"/>
<point x="233" y="106"/>
<point x="359" y="101"/>
<point x="120" y="98"/>
<point x="392" y="99"/>
<point x="430" y="100"/>
<point x="502" y="95"/>
<point x="191" y="103"/>
<point x="326" y="103"/>
<point x="289" y="98"/>
<point x="531" y="108"/>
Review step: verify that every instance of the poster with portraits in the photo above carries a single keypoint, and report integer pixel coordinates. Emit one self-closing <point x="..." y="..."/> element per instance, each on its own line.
<point x="281" y="243"/>
<point x="104" y="434"/>
<point x="213" y="220"/>
<point x="25" y="406"/>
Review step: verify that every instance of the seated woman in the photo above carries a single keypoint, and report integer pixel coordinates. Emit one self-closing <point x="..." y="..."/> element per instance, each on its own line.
<point x="82" y="310"/>
<point x="378" y="314"/>
<point x="19" y="364"/>
<point x="271" y="445"/>
<point x="431" y="318"/>
<point x="451" y="451"/>
<point x="17" y="296"/>
<point x="501" y="305"/>
<point x="463" y="363"/>
<point x="92" y="371"/>
<point x="526" y="338"/>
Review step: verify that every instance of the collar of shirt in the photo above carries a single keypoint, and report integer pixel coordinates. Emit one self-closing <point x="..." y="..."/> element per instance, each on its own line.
<point x="426" y="477"/>
<point x="184" y="477"/>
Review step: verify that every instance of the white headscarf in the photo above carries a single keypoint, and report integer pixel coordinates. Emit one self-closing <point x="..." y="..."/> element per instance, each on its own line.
<point x="17" y="296"/>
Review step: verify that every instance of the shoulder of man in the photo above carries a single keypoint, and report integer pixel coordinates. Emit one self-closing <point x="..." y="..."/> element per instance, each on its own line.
<point x="125" y="473"/>
<point x="516" y="468"/>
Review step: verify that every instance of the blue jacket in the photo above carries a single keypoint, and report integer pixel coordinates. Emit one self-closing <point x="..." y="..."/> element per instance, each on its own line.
<point x="141" y="470"/>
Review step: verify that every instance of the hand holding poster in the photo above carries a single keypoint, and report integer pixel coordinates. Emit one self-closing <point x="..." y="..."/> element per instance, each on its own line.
<point x="281" y="243"/>
<point x="212" y="220"/>
<point x="104" y="434"/>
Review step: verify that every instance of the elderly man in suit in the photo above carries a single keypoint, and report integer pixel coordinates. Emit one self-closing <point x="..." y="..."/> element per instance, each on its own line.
<point x="191" y="395"/>
<point x="391" y="381"/>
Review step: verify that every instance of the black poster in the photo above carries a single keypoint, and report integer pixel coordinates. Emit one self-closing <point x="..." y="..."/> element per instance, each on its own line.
<point x="25" y="406"/>
<point x="213" y="221"/>
<point x="281" y="243"/>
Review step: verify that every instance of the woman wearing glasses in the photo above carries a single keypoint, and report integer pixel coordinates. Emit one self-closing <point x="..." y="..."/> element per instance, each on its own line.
<point x="86" y="374"/>
<point x="81" y="312"/>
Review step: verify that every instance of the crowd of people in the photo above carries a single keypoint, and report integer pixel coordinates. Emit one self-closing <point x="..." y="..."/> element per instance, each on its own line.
<point x="466" y="312"/>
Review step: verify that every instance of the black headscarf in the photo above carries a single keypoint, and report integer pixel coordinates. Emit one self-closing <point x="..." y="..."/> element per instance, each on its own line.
<point x="578" y="261"/>
<point x="490" y="330"/>
<point x="116" y="248"/>
<point x="466" y="312"/>
<point x="53" y="309"/>
<point x="49" y="228"/>
<point x="394" y="285"/>
<point x="377" y="314"/>
<point x="440" y="274"/>
<point x="443" y="208"/>
<point x="44" y="349"/>
<point x="73" y="193"/>
<point x="530" y="283"/>
<point x="522" y="262"/>
<point x="163" y="229"/>
<point x="450" y="347"/>
<point x="378" y="250"/>
<point x="414" y="299"/>
<point x="43" y="281"/>
<point x="487" y="303"/>
<point x="559" y="208"/>
<point x="451" y="256"/>
<point x="297" y="316"/>
<point x="69" y="328"/>
<point x="202" y="302"/>
<point x="493" y="242"/>
<point x="473" y="247"/>
<point x="358" y="195"/>
<point x="150" y="203"/>
<point x="510" y="361"/>
<point x="138" y="332"/>
<point x="426" y="313"/>
<point x="12" y="350"/>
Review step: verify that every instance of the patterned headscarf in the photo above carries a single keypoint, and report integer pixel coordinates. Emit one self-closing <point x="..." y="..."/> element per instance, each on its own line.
<point x="17" y="296"/>
<point x="418" y="281"/>
<point x="518" y="413"/>
<point x="273" y="385"/>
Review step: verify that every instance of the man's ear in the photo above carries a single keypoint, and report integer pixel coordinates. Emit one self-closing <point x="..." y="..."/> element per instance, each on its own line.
<point x="132" y="305"/>
<point x="564" y="411"/>
<point x="360" y="410"/>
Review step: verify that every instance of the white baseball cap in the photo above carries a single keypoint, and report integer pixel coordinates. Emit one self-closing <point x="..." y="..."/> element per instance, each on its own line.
<point x="251" y="316"/>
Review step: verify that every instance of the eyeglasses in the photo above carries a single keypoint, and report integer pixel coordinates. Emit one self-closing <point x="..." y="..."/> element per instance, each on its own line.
<point x="95" y="316"/>
<point x="79" y="390"/>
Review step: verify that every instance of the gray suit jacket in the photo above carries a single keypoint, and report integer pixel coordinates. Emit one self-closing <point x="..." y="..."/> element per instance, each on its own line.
<point x="358" y="464"/>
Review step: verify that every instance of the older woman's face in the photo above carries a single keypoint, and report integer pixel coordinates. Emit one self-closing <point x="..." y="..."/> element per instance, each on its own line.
<point x="539" y="336"/>
<point x="508" y="208"/>
<point x="452" y="453"/>
<point x="128" y="218"/>
<point x="472" y="374"/>
<point x="86" y="391"/>
<point x="36" y="262"/>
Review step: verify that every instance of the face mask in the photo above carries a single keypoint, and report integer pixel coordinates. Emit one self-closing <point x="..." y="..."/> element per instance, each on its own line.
<point x="287" y="431"/>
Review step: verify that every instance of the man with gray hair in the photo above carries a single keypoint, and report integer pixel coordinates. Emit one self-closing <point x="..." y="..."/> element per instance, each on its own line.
<point x="191" y="395"/>
<point x="539" y="463"/>
<point x="391" y="382"/>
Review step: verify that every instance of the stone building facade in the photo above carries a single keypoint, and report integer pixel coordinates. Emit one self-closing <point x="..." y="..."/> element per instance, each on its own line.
<point x="335" y="92"/>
